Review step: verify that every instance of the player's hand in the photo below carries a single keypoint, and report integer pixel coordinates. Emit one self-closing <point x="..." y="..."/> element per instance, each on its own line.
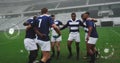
<point x="87" y="38"/>
<point x="43" y="36"/>
<point x="56" y="36"/>
<point x="90" y="19"/>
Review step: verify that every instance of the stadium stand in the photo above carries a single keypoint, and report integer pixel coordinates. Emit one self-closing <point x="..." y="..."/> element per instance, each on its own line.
<point x="72" y="3"/>
<point x="6" y="23"/>
<point x="39" y="6"/>
<point x="30" y="5"/>
<point x="14" y="9"/>
<point x="102" y="1"/>
<point x="116" y="12"/>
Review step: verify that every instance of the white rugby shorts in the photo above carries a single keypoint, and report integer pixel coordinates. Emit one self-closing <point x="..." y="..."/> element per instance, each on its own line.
<point x="92" y="40"/>
<point x="59" y="39"/>
<point x="44" y="45"/>
<point x="30" y="44"/>
<point x="74" y="36"/>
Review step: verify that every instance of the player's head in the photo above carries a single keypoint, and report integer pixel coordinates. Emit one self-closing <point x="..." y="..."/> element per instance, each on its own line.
<point x="85" y="15"/>
<point x="73" y="16"/>
<point x="44" y="11"/>
<point x="53" y="17"/>
<point x="82" y="16"/>
<point x="34" y="17"/>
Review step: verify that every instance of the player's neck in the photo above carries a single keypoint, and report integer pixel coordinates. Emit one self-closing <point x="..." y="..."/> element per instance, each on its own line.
<point x="73" y="19"/>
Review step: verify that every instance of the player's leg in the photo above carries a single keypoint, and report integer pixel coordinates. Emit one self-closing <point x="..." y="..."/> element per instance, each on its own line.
<point x="69" y="43"/>
<point x="77" y="50"/>
<point x="87" y="53"/>
<point x="91" y="53"/>
<point x="31" y="46"/>
<point x="96" y="52"/>
<point x="45" y="47"/>
<point x="69" y="49"/>
<point x="77" y="39"/>
<point x="58" y="48"/>
<point x="58" y="40"/>
<point x="53" y="48"/>
<point x="91" y="45"/>
<point x="32" y="56"/>
<point x="46" y="57"/>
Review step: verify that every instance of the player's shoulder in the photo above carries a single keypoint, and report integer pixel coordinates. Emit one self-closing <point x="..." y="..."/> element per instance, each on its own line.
<point x="57" y="21"/>
<point x="45" y="15"/>
<point x="89" y="22"/>
<point x="69" y="20"/>
<point x="78" y="20"/>
<point x="30" y="19"/>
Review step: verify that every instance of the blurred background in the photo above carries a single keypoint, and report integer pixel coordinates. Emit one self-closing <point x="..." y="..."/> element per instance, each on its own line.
<point x="17" y="11"/>
<point x="14" y="12"/>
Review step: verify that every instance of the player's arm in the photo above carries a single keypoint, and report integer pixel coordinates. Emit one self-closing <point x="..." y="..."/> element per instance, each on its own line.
<point x="39" y="33"/>
<point x="25" y="23"/>
<point x="89" y="32"/>
<point x="81" y="24"/>
<point x="89" y="29"/>
<point x="28" y="25"/>
<point x="92" y="19"/>
<point x="56" y="29"/>
<point x="64" y="26"/>
<point x="54" y="26"/>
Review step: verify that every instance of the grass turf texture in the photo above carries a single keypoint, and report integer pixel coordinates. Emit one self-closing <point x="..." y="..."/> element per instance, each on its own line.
<point x="10" y="48"/>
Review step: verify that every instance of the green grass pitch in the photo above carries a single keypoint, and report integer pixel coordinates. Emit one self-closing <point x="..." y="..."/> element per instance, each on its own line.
<point x="109" y="37"/>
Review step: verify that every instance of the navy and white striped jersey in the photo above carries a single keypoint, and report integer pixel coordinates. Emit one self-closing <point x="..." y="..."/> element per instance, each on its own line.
<point x="73" y="25"/>
<point x="85" y="27"/>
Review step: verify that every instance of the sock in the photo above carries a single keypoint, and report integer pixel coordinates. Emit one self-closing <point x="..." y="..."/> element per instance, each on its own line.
<point x="53" y="52"/>
<point x="77" y="50"/>
<point x="41" y="62"/>
<point x="32" y="56"/>
<point x="93" y="58"/>
<point x="96" y="53"/>
<point x="69" y="49"/>
<point x="48" y="61"/>
<point x="88" y="54"/>
<point x="58" y="54"/>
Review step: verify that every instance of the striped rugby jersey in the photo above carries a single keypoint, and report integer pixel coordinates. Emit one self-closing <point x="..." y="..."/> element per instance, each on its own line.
<point x="73" y="25"/>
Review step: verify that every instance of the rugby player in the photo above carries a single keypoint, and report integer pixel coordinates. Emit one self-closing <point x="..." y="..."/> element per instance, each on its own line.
<point x="74" y="34"/>
<point x="43" y="23"/>
<point x="86" y="32"/>
<point x="91" y="38"/>
<point x="55" y="41"/>
<point x="29" y="40"/>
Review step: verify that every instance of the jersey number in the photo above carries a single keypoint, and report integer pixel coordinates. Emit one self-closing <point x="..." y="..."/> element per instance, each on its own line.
<point x="40" y="20"/>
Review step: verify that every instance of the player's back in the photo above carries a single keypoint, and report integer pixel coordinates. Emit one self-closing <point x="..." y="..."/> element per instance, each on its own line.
<point x="43" y="24"/>
<point x="30" y="33"/>
<point x="94" y="31"/>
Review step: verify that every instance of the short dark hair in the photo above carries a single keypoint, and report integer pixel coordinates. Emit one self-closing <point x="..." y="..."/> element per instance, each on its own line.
<point x="34" y="17"/>
<point x="52" y="15"/>
<point x="87" y="13"/>
<point x="73" y="13"/>
<point x="44" y="10"/>
<point x="82" y="15"/>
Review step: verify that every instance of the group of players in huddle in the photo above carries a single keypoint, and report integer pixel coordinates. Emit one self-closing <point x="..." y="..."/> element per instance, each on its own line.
<point x="37" y="35"/>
